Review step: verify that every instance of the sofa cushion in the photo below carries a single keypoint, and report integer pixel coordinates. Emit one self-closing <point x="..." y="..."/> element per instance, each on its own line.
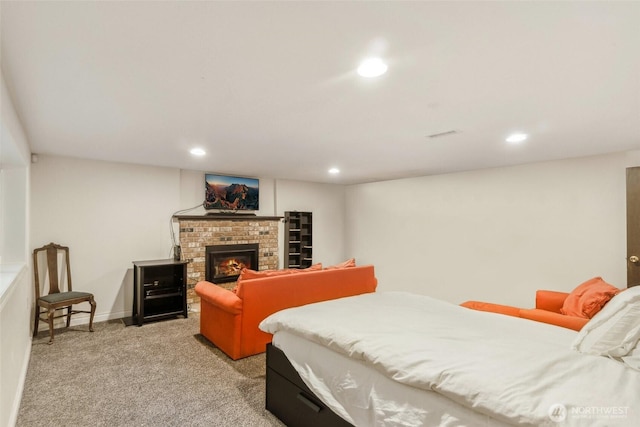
<point x="247" y="274"/>
<point x="345" y="264"/>
<point x="588" y="298"/>
<point x="615" y="330"/>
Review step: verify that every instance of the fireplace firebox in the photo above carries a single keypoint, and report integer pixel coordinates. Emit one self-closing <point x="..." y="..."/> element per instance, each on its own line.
<point x="223" y="263"/>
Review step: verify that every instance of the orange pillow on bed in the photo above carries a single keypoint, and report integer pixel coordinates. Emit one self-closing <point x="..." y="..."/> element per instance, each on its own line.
<point x="588" y="298"/>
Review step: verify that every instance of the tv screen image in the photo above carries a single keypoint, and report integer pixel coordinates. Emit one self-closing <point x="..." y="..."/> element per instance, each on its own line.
<point x="231" y="193"/>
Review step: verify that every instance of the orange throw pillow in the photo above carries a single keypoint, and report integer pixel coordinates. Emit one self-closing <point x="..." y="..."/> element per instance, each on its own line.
<point x="348" y="263"/>
<point x="588" y="298"/>
<point x="248" y="274"/>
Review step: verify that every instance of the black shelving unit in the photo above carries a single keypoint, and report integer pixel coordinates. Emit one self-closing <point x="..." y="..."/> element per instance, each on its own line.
<point x="159" y="290"/>
<point x="298" y="239"/>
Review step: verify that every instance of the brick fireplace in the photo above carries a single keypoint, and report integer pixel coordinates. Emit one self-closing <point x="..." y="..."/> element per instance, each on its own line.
<point x="234" y="230"/>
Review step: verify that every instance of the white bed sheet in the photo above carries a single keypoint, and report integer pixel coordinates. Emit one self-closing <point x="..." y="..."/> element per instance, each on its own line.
<point x="365" y="397"/>
<point x="510" y="369"/>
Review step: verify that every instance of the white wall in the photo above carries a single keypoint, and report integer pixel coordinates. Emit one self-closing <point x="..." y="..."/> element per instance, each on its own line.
<point x="326" y="202"/>
<point x="15" y="298"/>
<point x="14" y="166"/>
<point x="14" y="184"/>
<point x="495" y="235"/>
<point x="109" y="214"/>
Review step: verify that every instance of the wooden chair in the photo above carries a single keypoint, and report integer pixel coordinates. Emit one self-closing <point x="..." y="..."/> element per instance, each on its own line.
<point x="57" y="299"/>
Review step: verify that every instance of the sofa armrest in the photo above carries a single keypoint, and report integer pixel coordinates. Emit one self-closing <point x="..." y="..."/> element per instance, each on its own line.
<point x="557" y="319"/>
<point x="550" y="300"/>
<point x="220" y="297"/>
<point x="493" y="308"/>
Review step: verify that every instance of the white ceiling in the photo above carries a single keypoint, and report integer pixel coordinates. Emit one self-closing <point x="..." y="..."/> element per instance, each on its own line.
<point x="269" y="89"/>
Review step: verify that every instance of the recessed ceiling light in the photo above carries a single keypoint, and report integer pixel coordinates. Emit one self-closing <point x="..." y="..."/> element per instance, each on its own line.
<point x="334" y="171"/>
<point x="372" y="67"/>
<point x="197" y="152"/>
<point x="516" y="137"/>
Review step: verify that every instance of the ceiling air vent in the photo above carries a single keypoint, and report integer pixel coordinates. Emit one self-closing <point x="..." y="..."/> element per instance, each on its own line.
<point x="438" y="135"/>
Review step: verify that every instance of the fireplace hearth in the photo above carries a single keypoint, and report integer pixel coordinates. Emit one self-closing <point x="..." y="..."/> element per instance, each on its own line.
<point x="223" y="263"/>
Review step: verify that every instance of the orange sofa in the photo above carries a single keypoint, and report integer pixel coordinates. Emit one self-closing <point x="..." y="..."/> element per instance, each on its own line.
<point x="230" y="319"/>
<point x="548" y="305"/>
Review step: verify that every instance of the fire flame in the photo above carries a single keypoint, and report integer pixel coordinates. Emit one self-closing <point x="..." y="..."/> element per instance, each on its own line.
<point x="230" y="267"/>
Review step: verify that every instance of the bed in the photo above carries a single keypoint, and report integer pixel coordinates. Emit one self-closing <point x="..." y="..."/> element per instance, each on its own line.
<point x="401" y="359"/>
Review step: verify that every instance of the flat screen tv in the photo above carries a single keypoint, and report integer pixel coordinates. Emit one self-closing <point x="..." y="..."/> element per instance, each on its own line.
<point x="231" y="193"/>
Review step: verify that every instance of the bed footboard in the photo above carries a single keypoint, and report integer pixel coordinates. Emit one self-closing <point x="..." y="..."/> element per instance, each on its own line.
<point x="289" y="399"/>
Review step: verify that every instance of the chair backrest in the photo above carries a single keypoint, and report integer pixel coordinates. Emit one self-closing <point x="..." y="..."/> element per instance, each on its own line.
<point x="52" y="251"/>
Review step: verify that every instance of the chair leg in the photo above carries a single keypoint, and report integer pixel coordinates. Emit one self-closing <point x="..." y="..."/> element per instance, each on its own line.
<point x="50" y="314"/>
<point x="36" y="321"/>
<point x="93" y="312"/>
<point x="68" y="316"/>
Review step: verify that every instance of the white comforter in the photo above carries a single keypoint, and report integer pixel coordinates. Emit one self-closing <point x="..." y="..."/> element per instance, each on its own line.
<point x="511" y="369"/>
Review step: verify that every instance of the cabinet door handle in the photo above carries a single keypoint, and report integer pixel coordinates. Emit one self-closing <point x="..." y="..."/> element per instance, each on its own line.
<point x="304" y="399"/>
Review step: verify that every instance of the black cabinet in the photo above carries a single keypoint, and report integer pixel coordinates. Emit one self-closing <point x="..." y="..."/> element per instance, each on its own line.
<point x="298" y="235"/>
<point x="159" y="290"/>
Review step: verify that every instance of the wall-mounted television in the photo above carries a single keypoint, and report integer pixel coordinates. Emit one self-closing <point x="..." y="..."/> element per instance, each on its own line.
<point x="231" y="193"/>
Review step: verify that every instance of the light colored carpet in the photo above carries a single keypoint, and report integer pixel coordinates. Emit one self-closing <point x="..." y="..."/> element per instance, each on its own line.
<point x="161" y="374"/>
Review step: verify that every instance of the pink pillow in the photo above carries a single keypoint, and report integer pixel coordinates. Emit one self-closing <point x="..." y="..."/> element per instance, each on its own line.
<point x="588" y="298"/>
<point x="348" y="263"/>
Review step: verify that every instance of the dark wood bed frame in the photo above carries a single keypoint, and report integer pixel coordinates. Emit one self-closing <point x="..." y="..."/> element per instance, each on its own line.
<point x="289" y="399"/>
